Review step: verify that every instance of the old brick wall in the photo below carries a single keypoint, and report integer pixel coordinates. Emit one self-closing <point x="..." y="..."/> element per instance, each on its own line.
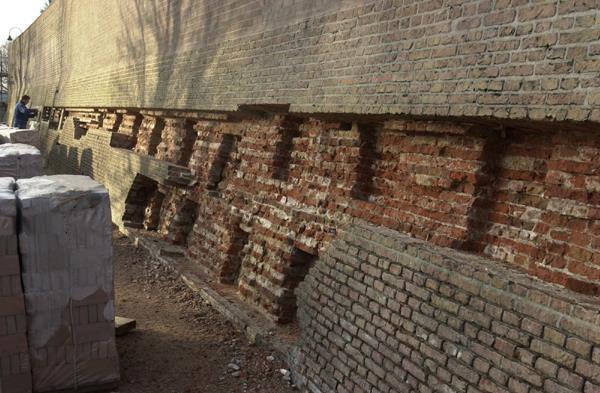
<point x="268" y="191"/>
<point x="257" y="198"/>
<point x="504" y="58"/>
<point x="382" y="312"/>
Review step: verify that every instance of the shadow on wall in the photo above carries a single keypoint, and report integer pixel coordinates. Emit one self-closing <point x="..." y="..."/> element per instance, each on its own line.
<point x="86" y="163"/>
<point x="147" y="27"/>
<point x="27" y="66"/>
<point x="153" y="34"/>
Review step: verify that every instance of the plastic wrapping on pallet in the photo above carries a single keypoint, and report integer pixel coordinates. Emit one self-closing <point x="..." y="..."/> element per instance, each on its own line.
<point x="19" y="135"/>
<point x="66" y="258"/>
<point x="20" y="161"/>
<point x="15" y="372"/>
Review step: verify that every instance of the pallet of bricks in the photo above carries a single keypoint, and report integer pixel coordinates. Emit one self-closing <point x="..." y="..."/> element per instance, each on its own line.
<point x="57" y="321"/>
<point x="18" y="135"/>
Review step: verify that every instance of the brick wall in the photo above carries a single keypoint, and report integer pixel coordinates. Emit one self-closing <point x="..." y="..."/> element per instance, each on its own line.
<point x="266" y="188"/>
<point x="381" y="312"/>
<point x="263" y="196"/>
<point x="508" y="59"/>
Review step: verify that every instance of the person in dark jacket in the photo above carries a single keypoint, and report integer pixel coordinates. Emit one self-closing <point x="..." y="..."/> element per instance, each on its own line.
<point x="22" y="113"/>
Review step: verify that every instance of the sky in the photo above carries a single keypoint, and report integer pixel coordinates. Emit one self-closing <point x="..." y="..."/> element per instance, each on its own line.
<point x="19" y="14"/>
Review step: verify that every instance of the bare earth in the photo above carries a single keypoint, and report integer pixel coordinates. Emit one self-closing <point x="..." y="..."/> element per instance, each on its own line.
<point x="181" y="344"/>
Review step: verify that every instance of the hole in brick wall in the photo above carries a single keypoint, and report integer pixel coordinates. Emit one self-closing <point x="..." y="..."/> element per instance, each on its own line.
<point x="365" y="185"/>
<point x="155" y="136"/>
<point x="80" y="128"/>
<point x="101" y="120"/>
<point x="46" y="113"/>
<point x="54" y="118"/>
<point x="300" y="263"/>
<point x="346" y="126"/>
<point x="137" y="199"/>
<point x="152" y="211"/>
<point x="284" y="147"/>
<point x="188" y="143"/>
<point x="215" y="173"/>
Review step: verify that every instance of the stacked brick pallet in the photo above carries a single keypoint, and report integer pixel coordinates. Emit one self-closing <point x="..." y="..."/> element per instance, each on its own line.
<point x="15" y="368"/>
<point x="57" y="314"/>
<point x="69" y="299"/>
<point x="20" y="161"/>
<point x="16" y="135"/>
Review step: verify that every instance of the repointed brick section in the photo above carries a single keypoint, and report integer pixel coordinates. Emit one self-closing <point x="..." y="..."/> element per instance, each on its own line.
<point x="66" y="251"/>
<point x="15" y="368"/>
<point x="510" y="59"/>
<point x="382" y="311"/>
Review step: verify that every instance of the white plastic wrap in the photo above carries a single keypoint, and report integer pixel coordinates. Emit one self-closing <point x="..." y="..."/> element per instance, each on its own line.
<point x="15" y="371"/>
<point x="66" y="256"/>
<point x="18" y="135"/>
<point x="20" y="161"/>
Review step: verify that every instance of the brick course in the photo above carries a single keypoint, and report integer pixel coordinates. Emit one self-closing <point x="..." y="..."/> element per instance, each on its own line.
<point x="454" y="322"/>
<point x="507" y="59"/>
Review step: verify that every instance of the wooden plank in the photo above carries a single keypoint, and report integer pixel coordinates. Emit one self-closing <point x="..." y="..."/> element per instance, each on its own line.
<point x="124" y="325"/>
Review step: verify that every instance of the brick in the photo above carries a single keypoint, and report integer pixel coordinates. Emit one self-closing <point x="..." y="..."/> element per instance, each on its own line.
<point x="588" y="370"/>
<point x="581" y="347"/>
<point x="570" y="379"/>
<point x="548" y="368"/>
<point x="553" y="352"/>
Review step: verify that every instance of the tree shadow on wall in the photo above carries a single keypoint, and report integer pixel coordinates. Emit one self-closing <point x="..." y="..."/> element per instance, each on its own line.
<point x="86" y="163"/>
<point x="157" y="39"/>
<point x="150" y="33"/>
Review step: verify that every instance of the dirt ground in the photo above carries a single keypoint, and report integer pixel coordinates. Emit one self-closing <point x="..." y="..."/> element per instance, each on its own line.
<point x="181" y="344"/>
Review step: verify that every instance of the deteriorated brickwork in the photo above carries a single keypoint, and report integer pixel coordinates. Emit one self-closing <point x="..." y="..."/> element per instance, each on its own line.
<point x="264" y="195"/>
<point x="267" y="187"/>
<point x="381" y="312"/>
<point x="504" y="58"/>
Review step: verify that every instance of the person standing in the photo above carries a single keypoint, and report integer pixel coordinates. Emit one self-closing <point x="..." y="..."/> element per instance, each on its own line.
<point x="23" y="113"/>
